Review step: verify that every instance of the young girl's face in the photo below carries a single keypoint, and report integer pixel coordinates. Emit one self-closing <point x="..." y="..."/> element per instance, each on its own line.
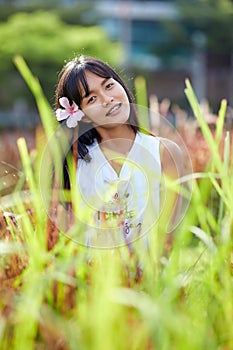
<point x="107" y="104"/>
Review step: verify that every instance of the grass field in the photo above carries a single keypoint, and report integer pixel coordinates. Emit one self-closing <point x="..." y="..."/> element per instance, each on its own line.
<point x="173" y="296"/>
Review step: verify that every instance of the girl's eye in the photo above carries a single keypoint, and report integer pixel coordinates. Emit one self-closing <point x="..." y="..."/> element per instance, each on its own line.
<point x="109" y="85"/>
<point x="91" y="99"/>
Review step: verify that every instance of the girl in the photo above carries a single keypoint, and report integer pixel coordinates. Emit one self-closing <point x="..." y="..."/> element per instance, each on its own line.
<point x="119" y="168"/>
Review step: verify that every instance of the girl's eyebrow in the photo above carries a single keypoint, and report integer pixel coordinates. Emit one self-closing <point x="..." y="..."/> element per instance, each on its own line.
<point x="102" y="83"/>
<point x="105" y="80"/>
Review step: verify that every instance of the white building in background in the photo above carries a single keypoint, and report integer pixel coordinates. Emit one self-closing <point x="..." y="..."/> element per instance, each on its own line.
<point x="139" y="25"/>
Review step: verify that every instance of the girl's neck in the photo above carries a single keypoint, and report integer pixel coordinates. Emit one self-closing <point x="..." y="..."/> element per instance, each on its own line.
<point x="113" y="134"/>
<point x="117" y="144"/>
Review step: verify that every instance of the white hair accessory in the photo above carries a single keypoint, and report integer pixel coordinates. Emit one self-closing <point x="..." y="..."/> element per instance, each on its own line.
<point x="71" y="113"/>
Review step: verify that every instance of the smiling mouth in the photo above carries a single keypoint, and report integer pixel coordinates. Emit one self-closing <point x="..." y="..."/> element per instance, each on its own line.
<point x="113" y="109"/>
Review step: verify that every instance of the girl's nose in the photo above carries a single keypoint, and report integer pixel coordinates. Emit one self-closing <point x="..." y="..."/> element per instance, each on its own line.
<point x="107" y="100"/>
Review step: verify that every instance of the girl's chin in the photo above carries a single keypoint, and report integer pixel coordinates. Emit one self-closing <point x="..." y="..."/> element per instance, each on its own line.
<point x="117" y="122"/>
<point x="113" y="121"/>
<point x="112" y="125"/>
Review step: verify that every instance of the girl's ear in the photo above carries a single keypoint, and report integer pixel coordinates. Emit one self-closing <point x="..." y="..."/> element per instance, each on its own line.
<point x="85" y="119"/>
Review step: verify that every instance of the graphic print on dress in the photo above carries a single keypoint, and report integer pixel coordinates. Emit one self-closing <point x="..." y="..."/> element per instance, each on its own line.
<point x="120" y="204"/>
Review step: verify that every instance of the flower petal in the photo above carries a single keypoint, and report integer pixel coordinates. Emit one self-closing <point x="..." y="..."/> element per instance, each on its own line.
<point x="61" y="114"/>
<point x="74" y="107"/>
<point x="72" y="122"/>
<point x="78" y="115"/>
<point x="64" y="102"/>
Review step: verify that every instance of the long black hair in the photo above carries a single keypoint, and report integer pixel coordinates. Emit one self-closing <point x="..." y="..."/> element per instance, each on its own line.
<point x="72" y="82"/>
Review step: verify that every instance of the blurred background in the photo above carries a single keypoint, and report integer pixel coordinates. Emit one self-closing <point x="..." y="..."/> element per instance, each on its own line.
<point x="164" y="41"/>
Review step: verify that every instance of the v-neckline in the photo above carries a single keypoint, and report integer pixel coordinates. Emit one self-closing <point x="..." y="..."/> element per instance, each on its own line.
<point x="123" y="171"/>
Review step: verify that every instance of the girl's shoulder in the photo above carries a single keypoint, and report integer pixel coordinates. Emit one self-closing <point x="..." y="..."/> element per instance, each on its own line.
<point x="165" y="150"/>
<point x="150" y="143"/>
<point x="164" y="143"/>
<point x="171" y="157"/>
<point x="169" y="147"/>
<point x="148" y="139"/>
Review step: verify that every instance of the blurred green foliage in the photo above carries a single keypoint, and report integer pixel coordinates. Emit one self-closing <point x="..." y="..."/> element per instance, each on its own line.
<point x="211" y="17"/>
<point x="202" y="23"/>
<point x="81" y="13"/>
<point x="45" y="41"/>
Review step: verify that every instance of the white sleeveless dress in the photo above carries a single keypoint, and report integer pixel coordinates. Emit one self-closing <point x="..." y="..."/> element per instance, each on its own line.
<point x="117" y="209"/>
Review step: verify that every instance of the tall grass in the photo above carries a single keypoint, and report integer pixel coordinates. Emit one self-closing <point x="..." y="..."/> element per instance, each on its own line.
<point x="72" y="297"/>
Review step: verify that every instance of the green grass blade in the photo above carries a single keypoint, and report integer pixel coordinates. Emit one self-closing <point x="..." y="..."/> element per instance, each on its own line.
<point x="220" y="121"/>
<point x="47" y="118"/>
<point x="204" y="127"/>
<point x="142" y="103"/>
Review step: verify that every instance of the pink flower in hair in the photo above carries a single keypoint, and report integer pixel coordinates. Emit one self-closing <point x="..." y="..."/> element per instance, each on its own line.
<point x="70" y="112"/>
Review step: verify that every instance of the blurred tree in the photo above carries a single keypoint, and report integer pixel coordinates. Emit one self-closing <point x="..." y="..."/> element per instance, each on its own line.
<point x="199" y="22"/>
<point x="45" y="41"/>
<point x="81" y="13"/>
<point x="213" y="18"/>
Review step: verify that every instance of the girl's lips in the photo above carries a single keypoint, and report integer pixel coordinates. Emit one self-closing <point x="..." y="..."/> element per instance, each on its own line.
<point x="114" y="109"/>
